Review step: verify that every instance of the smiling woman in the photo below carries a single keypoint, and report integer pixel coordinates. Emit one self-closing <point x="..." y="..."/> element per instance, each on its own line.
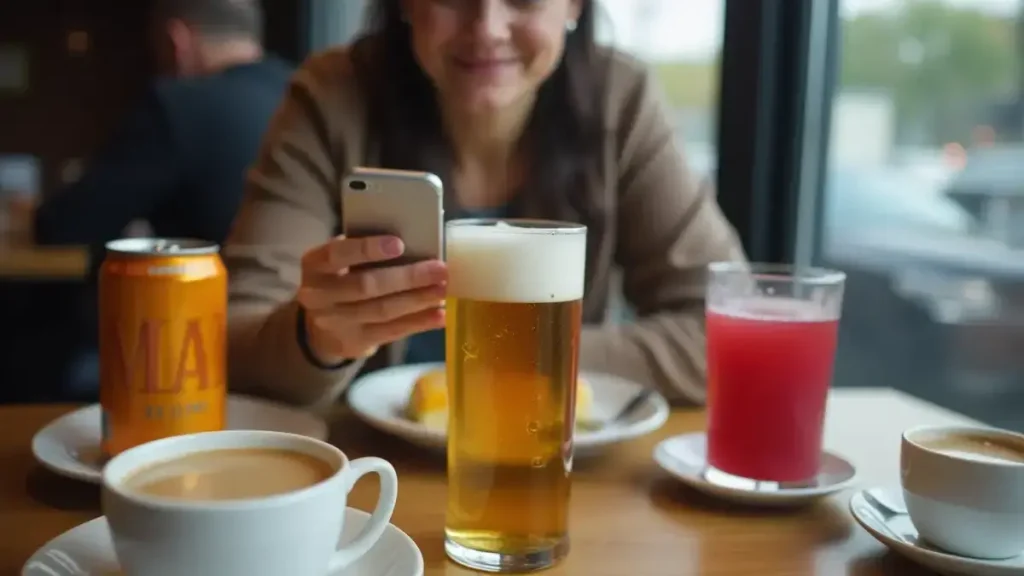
<point x="521" y="114"/>
<point x="488" y="76"/>
<point x="481" y="77"/>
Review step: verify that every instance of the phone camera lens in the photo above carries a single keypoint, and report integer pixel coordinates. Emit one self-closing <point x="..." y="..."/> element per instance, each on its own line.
<point x="357" y="185"/>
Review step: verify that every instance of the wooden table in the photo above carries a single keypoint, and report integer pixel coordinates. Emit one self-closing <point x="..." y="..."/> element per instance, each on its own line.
<point x="25" y="261"/>
<point x="628" y="517"/>
<point x="21" y="259"/>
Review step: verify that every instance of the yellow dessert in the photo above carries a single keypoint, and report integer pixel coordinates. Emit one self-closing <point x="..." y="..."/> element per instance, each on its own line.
<point x="584" y="400"/>
<point x="428" y="402"/>
<point x="429" y="396"/>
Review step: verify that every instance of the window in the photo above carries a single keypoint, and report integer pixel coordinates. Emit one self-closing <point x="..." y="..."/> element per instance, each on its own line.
<point x="923" y="201"/>
<point x="682" y="43"/>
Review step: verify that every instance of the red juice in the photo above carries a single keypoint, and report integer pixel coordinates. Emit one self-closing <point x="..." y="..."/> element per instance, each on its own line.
<point x="769" y="369"/>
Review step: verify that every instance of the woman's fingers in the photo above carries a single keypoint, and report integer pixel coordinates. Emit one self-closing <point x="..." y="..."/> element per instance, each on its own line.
<point x="337" y="345"/>
<point x="330" y="291"/>
<point x="352" y="338"/>
<point x="405" y="326"/>
<point x="386" y="308"/>
<point x="349" y="313"/>
<point x="341" y="253"/>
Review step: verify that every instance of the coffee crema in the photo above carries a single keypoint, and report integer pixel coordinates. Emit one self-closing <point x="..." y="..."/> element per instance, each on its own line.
<point x="978" y="446"/>
<point x="229" y="474"/>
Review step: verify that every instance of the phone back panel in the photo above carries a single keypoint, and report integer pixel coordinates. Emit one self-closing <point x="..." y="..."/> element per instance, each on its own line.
<point x="405" y="204"/>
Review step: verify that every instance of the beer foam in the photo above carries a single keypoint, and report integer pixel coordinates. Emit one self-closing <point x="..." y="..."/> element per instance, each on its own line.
<point x="507" y="263"/>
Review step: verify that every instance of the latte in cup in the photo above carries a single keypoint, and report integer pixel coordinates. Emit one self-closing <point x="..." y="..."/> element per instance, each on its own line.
<point x="239" y="503"/>
<point x="978" y="446"/>
<point x="230" y="474"/>
<point x="964" y="489"/>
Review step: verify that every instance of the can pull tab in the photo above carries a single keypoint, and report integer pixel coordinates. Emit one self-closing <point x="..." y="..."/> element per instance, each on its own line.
<point x="168" y="246"/>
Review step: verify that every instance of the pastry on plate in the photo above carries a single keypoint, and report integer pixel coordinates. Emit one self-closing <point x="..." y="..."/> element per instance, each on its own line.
<point x="428" y="402"/>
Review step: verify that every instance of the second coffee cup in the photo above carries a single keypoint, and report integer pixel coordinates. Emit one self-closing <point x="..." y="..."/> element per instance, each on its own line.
<point x="964" y="489"/>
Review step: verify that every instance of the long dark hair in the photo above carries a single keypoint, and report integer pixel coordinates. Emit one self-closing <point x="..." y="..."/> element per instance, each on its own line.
<point x="563" y="139"/>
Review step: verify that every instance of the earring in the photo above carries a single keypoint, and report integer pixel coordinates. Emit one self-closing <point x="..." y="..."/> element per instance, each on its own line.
<point x="570" y="26"/>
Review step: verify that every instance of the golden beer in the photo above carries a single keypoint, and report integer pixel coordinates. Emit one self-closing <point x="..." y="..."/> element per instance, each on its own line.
<point x="514" y="309"/>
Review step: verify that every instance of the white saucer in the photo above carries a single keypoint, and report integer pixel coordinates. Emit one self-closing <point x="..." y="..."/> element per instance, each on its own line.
<point x="87" y="550"/>
<point x="685" y="457"/>
<point x="70" y="445"/>
<point x="899" y="534"/>
<point x="380" y="397"/>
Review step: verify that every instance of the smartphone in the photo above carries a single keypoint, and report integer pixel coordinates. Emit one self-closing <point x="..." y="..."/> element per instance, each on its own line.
<point x="406" y="204"/>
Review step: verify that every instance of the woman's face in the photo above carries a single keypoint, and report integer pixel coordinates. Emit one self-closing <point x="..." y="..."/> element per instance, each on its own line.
<point x="486" y="55"/>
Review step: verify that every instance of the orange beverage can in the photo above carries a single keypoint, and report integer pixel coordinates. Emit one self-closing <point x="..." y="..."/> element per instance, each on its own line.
<point x="162" y="340"/>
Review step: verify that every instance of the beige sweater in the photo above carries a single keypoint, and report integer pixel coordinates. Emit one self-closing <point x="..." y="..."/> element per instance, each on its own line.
<point x="660" y="230"/>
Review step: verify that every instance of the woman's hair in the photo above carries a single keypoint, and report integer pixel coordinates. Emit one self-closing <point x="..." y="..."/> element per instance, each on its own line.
<point x="563" y="139"/>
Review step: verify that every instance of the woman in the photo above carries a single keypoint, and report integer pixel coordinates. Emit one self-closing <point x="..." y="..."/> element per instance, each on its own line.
<point x="522" y="115"/>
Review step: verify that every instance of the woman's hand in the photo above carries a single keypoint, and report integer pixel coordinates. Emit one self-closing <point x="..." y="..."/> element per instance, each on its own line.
<point x="350" y="313"/>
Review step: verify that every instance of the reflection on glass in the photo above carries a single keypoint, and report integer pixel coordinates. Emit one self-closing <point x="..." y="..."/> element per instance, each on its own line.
<point x="924" y="201"/>
<point x="682" y="42"/>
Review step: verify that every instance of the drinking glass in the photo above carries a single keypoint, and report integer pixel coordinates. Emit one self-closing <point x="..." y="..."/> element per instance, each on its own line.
<point x="771" y="343"/>
<point x="515" y="292"/>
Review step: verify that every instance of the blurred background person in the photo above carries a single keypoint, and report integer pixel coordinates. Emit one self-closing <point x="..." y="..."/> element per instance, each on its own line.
<point x="178" y="160"/>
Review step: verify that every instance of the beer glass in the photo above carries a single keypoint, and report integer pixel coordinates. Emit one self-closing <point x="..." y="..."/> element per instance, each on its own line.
<point x="515" y="292"/>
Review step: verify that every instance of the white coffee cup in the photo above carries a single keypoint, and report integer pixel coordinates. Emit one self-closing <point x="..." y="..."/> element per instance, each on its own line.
<point x="958" y="498"/>
<point x="295" y="533"/>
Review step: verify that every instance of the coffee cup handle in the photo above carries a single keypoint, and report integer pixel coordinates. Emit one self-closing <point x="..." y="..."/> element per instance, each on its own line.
<point x="381" y="516"/>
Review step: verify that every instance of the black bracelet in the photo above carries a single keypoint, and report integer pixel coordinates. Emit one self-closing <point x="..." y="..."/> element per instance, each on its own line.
<point x="303" y="339"/>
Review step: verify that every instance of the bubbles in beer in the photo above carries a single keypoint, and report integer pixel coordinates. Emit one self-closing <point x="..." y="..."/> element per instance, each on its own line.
<point x="515" y="294"/>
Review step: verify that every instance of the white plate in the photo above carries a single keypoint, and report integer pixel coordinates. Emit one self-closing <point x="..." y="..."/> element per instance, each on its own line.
<point x="685" y="457"/>
<point x="87" y="550"/>
<point x="380" y="397"/>
<point x="899" y="534"/>
<point x="70" y="445"/>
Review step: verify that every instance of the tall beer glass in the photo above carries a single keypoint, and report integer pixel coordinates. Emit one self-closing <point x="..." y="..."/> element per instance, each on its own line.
<point x="515" y="293"/>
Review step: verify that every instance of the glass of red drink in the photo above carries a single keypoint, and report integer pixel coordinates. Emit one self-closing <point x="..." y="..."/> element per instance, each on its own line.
<point x="771" y="343"/>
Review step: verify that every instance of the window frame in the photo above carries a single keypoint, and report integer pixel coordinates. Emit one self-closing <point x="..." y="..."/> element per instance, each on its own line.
<point x="286" y="29"/>
<point x="779" y="61"/>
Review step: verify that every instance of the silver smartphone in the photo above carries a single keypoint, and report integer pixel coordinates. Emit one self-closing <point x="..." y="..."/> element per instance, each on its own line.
<point x="402" y="203"/>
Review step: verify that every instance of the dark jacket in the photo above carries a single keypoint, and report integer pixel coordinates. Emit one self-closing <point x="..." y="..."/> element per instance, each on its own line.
<point x="178" y="161"/>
